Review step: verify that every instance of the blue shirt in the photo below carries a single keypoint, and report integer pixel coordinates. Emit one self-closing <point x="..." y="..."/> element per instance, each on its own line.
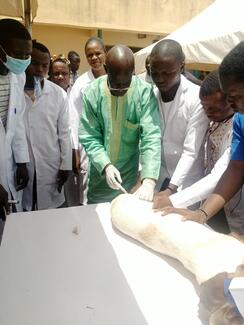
<point x="237" y="146"/>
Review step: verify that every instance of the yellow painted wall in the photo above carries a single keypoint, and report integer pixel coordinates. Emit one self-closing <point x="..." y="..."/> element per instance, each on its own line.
<point x="129" y="39"/>
<point x="61" y="39"/>
<point x="145" y="16"/>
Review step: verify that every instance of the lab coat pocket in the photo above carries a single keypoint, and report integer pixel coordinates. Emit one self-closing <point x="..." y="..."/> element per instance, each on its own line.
<point x="130" y="133"/>
<point x="48" y="170"/>
<point x="49" y="184"/>
<point x="11" y="122"/>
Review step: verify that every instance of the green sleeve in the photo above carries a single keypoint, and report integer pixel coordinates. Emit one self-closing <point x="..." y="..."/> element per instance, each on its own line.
<point x="150" y="145"/>
<point x="91" y="133"/>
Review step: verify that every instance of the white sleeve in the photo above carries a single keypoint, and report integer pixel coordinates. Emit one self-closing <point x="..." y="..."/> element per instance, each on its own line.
<point x="205" y="186"/>
<point x="194" y="136"/>
<point x="64" y="135"/>
<point x="74" y="125"/>
<point x="75" y="109"/>
<point x="19" y="142"/>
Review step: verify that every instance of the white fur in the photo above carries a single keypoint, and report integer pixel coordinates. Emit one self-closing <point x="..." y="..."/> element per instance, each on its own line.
<point x="202" y="251"/>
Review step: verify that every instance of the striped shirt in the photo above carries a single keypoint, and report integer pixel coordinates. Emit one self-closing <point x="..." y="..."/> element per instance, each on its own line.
<point x="4" y="98"/>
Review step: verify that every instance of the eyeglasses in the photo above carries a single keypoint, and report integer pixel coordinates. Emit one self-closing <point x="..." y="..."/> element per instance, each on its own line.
<point x="116" y="89"/>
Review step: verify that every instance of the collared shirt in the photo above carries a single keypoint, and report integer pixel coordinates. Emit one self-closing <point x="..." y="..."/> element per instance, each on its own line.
<point x="76" y="103"/>
<point x="13" y="144"/>
<point x="48" y="135"/>
<point x="185" y="125"/>
<point x="117" y="130"/>
<point x="219" y="133"/>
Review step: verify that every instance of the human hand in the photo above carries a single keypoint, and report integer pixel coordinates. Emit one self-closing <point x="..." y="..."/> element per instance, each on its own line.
<point x="62" y="178"/>
<point x="76" y="161"/>
<point x="113" y="177"/>
<point x="197" y="216"/>
<point x="4" y="206"/>
<point x="161" y="200"/>
<point x="146" y="190"/>
<point x="22" y="176"/>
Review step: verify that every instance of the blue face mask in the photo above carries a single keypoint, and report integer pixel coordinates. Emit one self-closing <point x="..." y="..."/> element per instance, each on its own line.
<point x="16" y="66"/>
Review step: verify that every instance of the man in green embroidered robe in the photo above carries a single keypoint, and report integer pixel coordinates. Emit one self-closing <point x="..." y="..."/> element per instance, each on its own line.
<point x="120" y="124"/>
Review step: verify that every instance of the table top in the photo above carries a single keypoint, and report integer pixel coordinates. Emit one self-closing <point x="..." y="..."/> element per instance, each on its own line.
<point x="70" y="267"/>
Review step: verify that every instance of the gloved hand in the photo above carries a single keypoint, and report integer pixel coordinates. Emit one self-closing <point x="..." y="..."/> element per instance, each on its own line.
<point x="146" y="190"/>
<point x="4" y="207"/>
<point x="113" y="177"/>
<point x="62" y="178"/>
<point x="22" y="176"/>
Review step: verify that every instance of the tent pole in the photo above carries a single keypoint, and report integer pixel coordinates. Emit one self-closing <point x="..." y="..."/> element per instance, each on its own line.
<point x="27" y="18"/>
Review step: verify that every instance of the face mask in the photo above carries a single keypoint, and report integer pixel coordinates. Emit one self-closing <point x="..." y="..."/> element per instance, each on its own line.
<point x="16" y="66"/>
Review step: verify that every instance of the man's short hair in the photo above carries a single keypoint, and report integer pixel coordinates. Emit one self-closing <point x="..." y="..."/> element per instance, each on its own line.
<point x="233" y="63"/>
<point x="10" y="29"/>
<point x="168" y="47"/>
<point x="73" y="54"/>
<point x="95" y="40"/>
<point x="210" y="84"/>
<point x="40" y="47"/>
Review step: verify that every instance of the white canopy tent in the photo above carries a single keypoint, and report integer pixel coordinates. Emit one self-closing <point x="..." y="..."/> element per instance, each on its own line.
<point x="208" y="37"/>
<point x="24" y="9"/>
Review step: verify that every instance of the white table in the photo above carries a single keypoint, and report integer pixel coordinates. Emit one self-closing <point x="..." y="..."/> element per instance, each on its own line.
<point x="70" y="267"/>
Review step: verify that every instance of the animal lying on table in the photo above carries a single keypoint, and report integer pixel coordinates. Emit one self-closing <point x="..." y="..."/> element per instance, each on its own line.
<point x="212" y="257"/>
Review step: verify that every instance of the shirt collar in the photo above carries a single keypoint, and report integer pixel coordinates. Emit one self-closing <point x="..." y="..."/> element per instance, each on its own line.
<point x="46" y="87"/>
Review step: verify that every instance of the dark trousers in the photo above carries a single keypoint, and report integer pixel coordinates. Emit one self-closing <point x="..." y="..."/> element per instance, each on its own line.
<point x="219" y="222"/>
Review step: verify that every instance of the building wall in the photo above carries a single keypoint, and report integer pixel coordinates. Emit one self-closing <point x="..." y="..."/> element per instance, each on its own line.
<point x="129" y="39"/>
<point x="144" y="16"/>
<point x="60" y="40"/>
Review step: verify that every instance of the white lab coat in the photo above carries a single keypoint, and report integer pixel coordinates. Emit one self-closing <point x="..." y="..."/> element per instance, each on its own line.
<point x="76" y="103"/>
<point x="76" y="107"/>
<point x="48" y="136"/>
<point x="13" y="144"/>
<point x="185" y="124"/>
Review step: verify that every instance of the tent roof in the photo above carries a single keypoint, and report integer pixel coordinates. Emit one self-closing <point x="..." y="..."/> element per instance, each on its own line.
<point x="208" y="37"/>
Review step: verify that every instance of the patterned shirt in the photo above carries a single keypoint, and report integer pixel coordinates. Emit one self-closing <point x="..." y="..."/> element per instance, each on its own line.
<point x="219" y="133"/>
<point x="4" y="98"/>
